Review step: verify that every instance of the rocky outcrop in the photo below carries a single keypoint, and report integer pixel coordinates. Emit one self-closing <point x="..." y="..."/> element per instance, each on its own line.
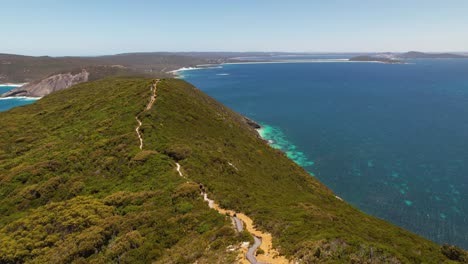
<point x="48" y="85"/>
<point x="252" y="123"/>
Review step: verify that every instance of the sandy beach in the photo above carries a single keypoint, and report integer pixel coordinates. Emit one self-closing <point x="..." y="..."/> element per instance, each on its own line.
<point x="211" y="66"/>
<point x="199" y="67"/>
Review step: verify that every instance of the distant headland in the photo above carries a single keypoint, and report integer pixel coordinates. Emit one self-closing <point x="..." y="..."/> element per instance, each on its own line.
<point x="366" y="58"/>
<point x="398" y="58"/>
<point x="46" y="74"/>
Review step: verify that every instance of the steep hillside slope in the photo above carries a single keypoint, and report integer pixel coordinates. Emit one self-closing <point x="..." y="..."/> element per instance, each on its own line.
<point x="75" y="186"/>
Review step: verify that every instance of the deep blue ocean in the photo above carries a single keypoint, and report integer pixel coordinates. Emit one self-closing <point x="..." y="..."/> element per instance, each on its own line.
<point x="8" y="103"/>
<point x="391" y="139"/>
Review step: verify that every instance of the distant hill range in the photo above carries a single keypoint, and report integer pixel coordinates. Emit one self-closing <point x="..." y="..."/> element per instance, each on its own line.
<point x="390" y="57"/>
<point x="20" y="69"/>
<point x="46" y="74"/>
<point x="422" y="55"/>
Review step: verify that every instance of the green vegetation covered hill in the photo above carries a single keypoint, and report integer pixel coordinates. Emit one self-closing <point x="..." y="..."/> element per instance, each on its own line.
<point x="75" y="187"/>
<point x="17" y="68"/>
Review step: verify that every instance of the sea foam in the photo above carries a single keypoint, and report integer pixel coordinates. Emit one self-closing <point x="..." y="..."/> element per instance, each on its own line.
<point x="12" y="84"/>
<point x="25" y="98"/>
<point x="277" y="139"/>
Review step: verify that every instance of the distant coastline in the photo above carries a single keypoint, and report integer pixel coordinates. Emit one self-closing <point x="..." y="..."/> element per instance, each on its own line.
<point x="376" y="59"/>
<point x="289" y="61"/>
<point x="178" y="74"/>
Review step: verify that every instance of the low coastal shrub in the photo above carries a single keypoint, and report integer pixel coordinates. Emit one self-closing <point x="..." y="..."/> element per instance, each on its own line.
<point x="76" y="187"/>
<point x="83" y="192"/>
<point x="178" y="152"/>
<point x="454" y="253"/>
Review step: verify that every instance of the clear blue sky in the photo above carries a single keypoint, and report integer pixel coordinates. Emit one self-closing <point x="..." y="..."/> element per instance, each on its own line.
<point x="91" y="27"/>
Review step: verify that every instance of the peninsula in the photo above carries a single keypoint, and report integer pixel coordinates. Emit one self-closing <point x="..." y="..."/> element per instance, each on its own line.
<point x="135" y="170"/>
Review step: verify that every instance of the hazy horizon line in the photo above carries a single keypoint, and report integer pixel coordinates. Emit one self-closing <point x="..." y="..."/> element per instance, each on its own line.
<point x="288" y="52"/>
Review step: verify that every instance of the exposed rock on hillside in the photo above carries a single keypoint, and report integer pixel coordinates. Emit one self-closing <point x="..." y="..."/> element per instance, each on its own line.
<point x="48" y="85"/>
<point x="252" y="123"/>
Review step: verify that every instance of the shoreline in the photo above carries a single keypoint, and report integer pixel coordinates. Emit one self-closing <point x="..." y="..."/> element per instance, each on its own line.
<point x="182" y="69"/>
<point x="288" y="61"/>
<point x="220" y="65"/>
<point x="198" y="67"/>
<point x="310" y="61"/>
<point x="281" y="143"/>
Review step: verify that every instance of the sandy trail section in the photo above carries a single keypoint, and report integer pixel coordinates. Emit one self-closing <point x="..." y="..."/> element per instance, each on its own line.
<point x="262" y="240"/>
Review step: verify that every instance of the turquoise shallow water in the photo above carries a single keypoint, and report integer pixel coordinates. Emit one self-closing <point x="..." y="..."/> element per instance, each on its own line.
<point x="8" y="103"/>
<point x="390" y="139"/>
<point x="277" y="139"/>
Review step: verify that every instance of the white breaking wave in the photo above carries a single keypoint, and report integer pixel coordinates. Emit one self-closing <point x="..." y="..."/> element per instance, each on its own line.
<point x="203" y="66"/>
<point x="183" y="69"/>
<point x="21" y="97"/>
<point x="12" y="84"/>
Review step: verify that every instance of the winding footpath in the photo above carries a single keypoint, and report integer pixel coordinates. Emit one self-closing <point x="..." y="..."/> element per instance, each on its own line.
<point x="137" y="129"/>
<point x="250" y="255"/>
<point x="261" y="240"/>
<point x="148" y="107"/>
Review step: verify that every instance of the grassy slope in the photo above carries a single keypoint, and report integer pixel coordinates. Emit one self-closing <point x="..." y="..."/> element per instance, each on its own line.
<point x="73" y="185"/>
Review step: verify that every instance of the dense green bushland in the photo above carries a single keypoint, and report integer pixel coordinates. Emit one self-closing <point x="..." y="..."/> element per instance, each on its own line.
<point x="74" y="187"/>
